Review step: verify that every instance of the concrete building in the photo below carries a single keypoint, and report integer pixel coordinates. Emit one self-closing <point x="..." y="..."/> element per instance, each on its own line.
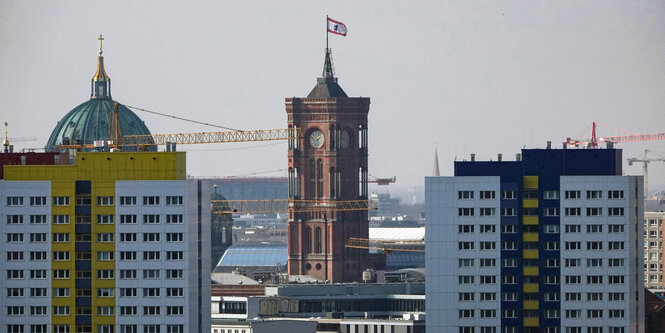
<point x="117" y="242"/>
<point x="548" y="243"/>
<point x="653" y="250"/>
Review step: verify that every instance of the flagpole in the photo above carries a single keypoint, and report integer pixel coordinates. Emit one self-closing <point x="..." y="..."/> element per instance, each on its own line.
<point x="326" y="33"/>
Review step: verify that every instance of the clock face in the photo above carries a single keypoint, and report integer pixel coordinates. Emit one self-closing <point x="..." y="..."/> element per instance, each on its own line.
<point x="345" y="139"/>
<point x="316" y="139"/>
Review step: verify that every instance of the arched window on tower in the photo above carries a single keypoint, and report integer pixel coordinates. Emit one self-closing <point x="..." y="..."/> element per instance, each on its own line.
<point x="319" y="175"/>
<point x="318" y="240"/>
<point x="307" y="240"/>
<point x="312" y="179"/>
<point x="333" y="179"/>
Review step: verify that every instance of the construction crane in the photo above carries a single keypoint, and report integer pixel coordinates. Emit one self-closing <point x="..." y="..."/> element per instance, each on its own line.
<point x="222" y="207"/>
<point x="382" y="181"/>
<point x="7" y="139"/>
<point x="387" y="246"/>
<point x="117" y="140"/>
<point x="595" y="140"/>
<point x="645" y="170"/>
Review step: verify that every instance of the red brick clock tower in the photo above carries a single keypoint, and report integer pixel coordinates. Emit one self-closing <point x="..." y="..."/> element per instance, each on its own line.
<point x="328" y="163"/>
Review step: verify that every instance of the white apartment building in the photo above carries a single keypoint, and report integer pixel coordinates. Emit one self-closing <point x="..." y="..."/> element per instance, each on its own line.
<point x="653" y="250"/>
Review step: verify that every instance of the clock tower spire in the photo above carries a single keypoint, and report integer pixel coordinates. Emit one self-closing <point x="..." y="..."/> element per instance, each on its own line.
<point x="328" y="164"/>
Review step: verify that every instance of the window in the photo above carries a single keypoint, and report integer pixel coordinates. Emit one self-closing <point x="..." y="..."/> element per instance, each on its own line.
<point x="60" y="237"/>
<point x="38" y="292"/>
<point x="594" y="211"/>
<point x="594" y="228"/>
<point x="572" y="194"/>
<point x="104" y="273"/>
<point x="615" y="211"/>
<point x="615" y="245"/>
<point x="38" y="311"/>
<point x="551" y="297"/>
<point x="615" y="262"/>
<point x="508" y="194"/>
<point x="151" y="200"/>
<point x="464" y="194"/>
<point x="150" y="292"/>
<point x="594" y="313"/>
<point x="14" y="238"/>
<point x="14" y="292"/>
<point x="174" y="237"/>
<point x="530" y="211"/>
<point x="487" y="245"/>
<point x="573" y="279"/>
<point x="128" y="292"/>
<point x="177" y="328"/>
<point x="616" y="279"/>
<point x="509" y="313"/>
<point x="127" y="255"/>
<point x="105" y="255"/>
<point x="104" y="219"/>
<point x="594" y="262"/>
<point x="487" y="313"/>
<point x="14" y="219"/>
<point x="37" y="219"/>
<point x="150" y="255"/>
<point x="60" y="219"/>
<point x="616" y="313"/>
<point x="508" y="279"/>
<point x="38" y="274"/>
<point x="104" y="201"/>
<point x="509" y="262"/>
<point x="551" y="211"/>
<point x="465" y="262"/>
<point x="509" y="296"/>
<point x="38" y="237"/>
<point x="60" y="328"/>
<point x="487" y="195"/>
<point x="14" y="256"/>
<point x="127" y="219"/>
<point x="594" y="297"/>
<point x="487" y="228"/>
<point x="60" y="292"/>
<point x="594" y="279"/>
<point x="127" y="201"/>
<point x="507" y="211"/>
<point x="488" y="296"/>
<point x="128" y="237"/>
<point x="615" y="228"/>
<point x="594" y="194"/>
<point x="134" y="329"/>
<point x="60" y="201"/>
<point x="128" y="311"/>
<point x="151" y="219"/>
<point x="487" y="262"/>
<point x="104" y="328"/>
<point x="61" y="274"/>
<point x="614" y="194"/>
<point x="487" y="211"/>
<point x="551" y="313"/>
<point x="572" y="228"/>
<point x="573" y="313"/>
<point x="105" y="292"/>
<point x="466" y="313"/>
<point x="151" y="311"/>
<point x="571" y="211"/>
<point x="465" y="228"/>
<point x="465" y="212"/>
<point x="465" y="245"/>
<point x="61" y="311"/>
<point x="572" y="297"/>
<point x="128" y="273"/>
<point x="174" y="255"/>
<point x="551" y="262"/>
<point x="509" y="229"/>
<point x="551" y="246"/>
<point x="530" y="194"/>
<point x="151" y="274"/>
<point x="14" y="201"/>
<point x="573" y="245"/>
<point x="465" y="279"/>
<point x="615" y="296"/>
<point x="487" y="279"/>
<point x="508" y="246"/>
<point x="105" y="237"/>
<point x="60" y="255"/>
<point x="549" y="279"/>
<point x="14" y="274"/>
<point x="551" y="195"/>
<point x="174" y="218"/>
<point x="594" y="245"/>
<point x="174" y="200"/>
<point x="174" y="292"/>
<point x="151" y="237"/>
<point x="105" y="310"/>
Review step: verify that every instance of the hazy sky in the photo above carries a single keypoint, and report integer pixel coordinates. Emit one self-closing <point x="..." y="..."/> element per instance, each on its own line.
<point x="481" y="77"/>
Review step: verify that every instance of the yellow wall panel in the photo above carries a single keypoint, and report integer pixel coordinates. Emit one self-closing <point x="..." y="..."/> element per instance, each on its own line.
<point x="530" y="254"/>
<point x="530" y="182"/>
<point x="530" y="271"/>
<point x="531" y="220"/>
<point x="530" y="203"/>
<point x="530" y="237"/>
<point x="531" y="322"/>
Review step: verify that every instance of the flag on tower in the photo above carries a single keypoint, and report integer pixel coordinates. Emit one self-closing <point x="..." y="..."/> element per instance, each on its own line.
<point x="336" y="27"/>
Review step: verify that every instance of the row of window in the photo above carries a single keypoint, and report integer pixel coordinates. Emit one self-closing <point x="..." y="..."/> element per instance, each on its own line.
<point x="101" y="273"/>
<point x="548" y="211"/>
<point x="101" y="201"/>
<point x="533" y="194"/>
<point x="101" y="292"/>
<point x="549" y="279"/>
<point x="551" y="262"/>
<point x="556" y="329"/>
<point x="547" y="228"/>
<point x="63" y="328"/>
<point x="101" y="310"/>
<point x="547" y="297"/>
<point x="547" y="313"/>
<point x="101" y="219"/>
<point x="509" y="245"/>
<point x="101" y="237"/>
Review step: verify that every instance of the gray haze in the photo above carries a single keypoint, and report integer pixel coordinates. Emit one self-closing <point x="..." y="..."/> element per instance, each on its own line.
<point x="466" y="76"/>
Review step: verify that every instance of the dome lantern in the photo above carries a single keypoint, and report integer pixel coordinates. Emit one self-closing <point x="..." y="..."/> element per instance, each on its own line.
<point x="101" y="83"/>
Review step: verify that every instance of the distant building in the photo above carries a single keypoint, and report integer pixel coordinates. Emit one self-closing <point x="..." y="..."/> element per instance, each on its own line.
<point x="550" y="243"/>
<point x="251" y="188"/>
<point x="653" y="249"/>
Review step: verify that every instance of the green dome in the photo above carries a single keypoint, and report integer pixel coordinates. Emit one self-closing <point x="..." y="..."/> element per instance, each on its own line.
<point x="90" y="121"/>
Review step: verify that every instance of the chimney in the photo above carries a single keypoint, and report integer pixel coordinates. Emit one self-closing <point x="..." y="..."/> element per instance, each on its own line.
<point x="499" y="157"/>
<point x="549" y="144"/>
<point x="473" y="157"/>
<point x="518" y="157"/>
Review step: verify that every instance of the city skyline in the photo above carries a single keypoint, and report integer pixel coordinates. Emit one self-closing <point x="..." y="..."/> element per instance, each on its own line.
<point x="467" y="78"/>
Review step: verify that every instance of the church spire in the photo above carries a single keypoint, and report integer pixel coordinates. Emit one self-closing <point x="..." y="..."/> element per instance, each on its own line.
<point x="101" y="83"/>
<point x="326" y="85"/>
<point x="328" y="70"/>
<point x="435" y="171"/>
